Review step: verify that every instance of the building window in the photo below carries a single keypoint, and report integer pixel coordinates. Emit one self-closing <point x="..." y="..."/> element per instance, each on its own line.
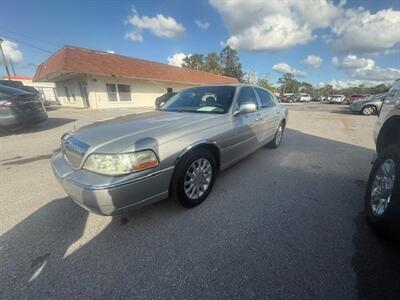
<point x="124" y="92"/>
<point x="67" y="94"/>
<point x="118" y="92"/>
<point x="112" y="92"/>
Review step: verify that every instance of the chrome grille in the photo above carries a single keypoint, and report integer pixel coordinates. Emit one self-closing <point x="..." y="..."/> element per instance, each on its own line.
<point x="73" y="150"/>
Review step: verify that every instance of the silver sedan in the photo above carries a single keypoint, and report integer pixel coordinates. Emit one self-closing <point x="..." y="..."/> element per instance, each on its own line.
<point x="369" y="106"/>
<point x="135" y="160"/>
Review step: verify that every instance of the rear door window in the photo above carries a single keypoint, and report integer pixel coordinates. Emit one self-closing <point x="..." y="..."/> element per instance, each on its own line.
<point x="265" y="98"/>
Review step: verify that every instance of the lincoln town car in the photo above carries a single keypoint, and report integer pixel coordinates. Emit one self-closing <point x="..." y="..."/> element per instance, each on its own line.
<point x="176" y="150"/>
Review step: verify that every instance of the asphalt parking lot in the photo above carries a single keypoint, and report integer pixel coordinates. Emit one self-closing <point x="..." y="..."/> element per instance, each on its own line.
<point x="281" y="224"/>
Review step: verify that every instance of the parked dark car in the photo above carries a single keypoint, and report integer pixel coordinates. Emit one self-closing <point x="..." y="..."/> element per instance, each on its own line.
<point x="382" y="197"/>
<point x="160" y="101"/>
<point x="19" y="85"/>
<point x="19" y="108"/>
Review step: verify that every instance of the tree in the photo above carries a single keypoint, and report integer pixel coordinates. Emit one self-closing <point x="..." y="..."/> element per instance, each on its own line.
<point x="262" y="82"/>
<point x="194" y="61"/>
<point x="288" y="84"/>
<point x="327" y="90"/>
<point x="307" y="88"/>
<point x="212" y="64"/>
<point x="230" y="63"/>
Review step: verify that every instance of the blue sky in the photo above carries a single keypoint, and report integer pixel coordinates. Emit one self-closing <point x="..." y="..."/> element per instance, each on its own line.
<point x="330" y="29"/>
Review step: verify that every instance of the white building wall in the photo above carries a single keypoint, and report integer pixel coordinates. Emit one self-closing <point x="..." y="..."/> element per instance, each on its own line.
<point x="143" y="92"/>
<point x="75" y="98"/>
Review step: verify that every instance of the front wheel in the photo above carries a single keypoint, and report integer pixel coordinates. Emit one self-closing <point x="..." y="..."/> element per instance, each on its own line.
<point x="275" y="143"/>
<point x="382" y="198"/>
<point x="194" y="177"/>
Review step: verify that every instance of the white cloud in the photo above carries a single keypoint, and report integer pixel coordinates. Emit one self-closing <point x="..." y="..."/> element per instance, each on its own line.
<point x="177" y="59"/>
<point x="134" y="36"/>
<point x="11" y="51"/>
<point x="160" y="25"/>
<point x="353" y="62"/>
<point x="313" y="61"/>
<point x="358" y="30"/>
<point x="377" y="74"/>
<point x="342" y="84"/>
<point x="365" y="69"/>
<point x="285" y="68"/>
<point x="110" y="51"/>
<point x="202" y="25"/>
<point x="274" y="25"/>
<point x="277" y="25"/>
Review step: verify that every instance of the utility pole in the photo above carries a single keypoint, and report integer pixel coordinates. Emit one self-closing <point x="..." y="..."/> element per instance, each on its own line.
<point x="4" y="59"/>
<point x="12" y="67"/>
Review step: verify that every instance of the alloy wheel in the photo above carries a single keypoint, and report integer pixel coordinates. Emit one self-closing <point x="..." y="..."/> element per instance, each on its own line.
<point x="382" y="187"/>
<point x="369" y="110"/>
<point x="198" y="178"/>
<point x="279" y="135"/>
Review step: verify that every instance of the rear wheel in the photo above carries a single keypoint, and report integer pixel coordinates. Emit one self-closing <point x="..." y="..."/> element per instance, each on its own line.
<point x="382" y="199"/>
<point x="369" y="110"/>
<point x="194" y="177"/>
<point x="276" y="142"/>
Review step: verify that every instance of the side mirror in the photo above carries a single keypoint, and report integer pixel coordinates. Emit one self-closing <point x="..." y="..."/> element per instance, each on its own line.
<point x="247" y="107"/>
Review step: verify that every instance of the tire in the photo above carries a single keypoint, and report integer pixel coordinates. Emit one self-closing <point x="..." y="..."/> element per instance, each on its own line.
<point x="369" y="110"/>
<point x="180" y="182"/>
<point x="276" y="142"/>
<point x="385" y="220"/>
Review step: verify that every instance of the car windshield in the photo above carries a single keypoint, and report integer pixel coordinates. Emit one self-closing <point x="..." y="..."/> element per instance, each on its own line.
<point x="206" y="99"/>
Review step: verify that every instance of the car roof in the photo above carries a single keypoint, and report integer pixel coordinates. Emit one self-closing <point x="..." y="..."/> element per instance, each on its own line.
<point x="12" y="91"/>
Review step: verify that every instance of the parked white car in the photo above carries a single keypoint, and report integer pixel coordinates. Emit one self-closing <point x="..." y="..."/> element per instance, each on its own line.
<point x="304" y="98"/>
<point x="338" y="99"/>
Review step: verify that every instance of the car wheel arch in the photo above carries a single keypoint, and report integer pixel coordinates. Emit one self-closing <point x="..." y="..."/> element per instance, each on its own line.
<point x="210" y="145"/>
<point x="389" y="133"/>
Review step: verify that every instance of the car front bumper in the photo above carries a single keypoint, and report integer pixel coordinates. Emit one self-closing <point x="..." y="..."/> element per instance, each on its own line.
<point x="112" y="198"/>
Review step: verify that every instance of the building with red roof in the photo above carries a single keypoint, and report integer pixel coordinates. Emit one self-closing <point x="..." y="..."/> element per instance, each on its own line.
<point x="87" y="78"/>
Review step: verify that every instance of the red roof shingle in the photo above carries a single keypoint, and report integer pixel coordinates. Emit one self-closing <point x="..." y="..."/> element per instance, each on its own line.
<point x="78" y="60"/>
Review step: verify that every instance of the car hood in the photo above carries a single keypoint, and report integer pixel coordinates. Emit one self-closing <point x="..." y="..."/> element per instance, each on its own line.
<point x="145" y="130"/>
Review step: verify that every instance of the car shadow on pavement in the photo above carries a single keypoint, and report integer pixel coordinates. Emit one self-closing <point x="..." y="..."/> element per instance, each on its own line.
<point x="258" y="235"/>
<point x="50" y="123"/>
<point x="344" y="111"/>
<point x="376" y="261"/>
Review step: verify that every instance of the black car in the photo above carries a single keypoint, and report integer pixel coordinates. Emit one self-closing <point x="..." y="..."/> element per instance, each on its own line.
<point x="19" y="85"/>
<point x="19" y="108"/>
<point x="164" y="98"/>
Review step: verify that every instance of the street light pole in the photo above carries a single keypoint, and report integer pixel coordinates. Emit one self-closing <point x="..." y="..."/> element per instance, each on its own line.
<point x="4" y="59"/>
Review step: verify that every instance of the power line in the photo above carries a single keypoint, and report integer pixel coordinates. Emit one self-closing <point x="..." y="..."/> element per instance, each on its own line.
<point x="29" y="37"/>
<point x="27" y="44"/>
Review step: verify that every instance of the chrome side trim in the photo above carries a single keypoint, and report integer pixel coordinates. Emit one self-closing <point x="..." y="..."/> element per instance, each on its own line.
<point x="109" y="186"/>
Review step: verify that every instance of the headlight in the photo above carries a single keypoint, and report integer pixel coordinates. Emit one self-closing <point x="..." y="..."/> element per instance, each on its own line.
<point x="119" y="164"/>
